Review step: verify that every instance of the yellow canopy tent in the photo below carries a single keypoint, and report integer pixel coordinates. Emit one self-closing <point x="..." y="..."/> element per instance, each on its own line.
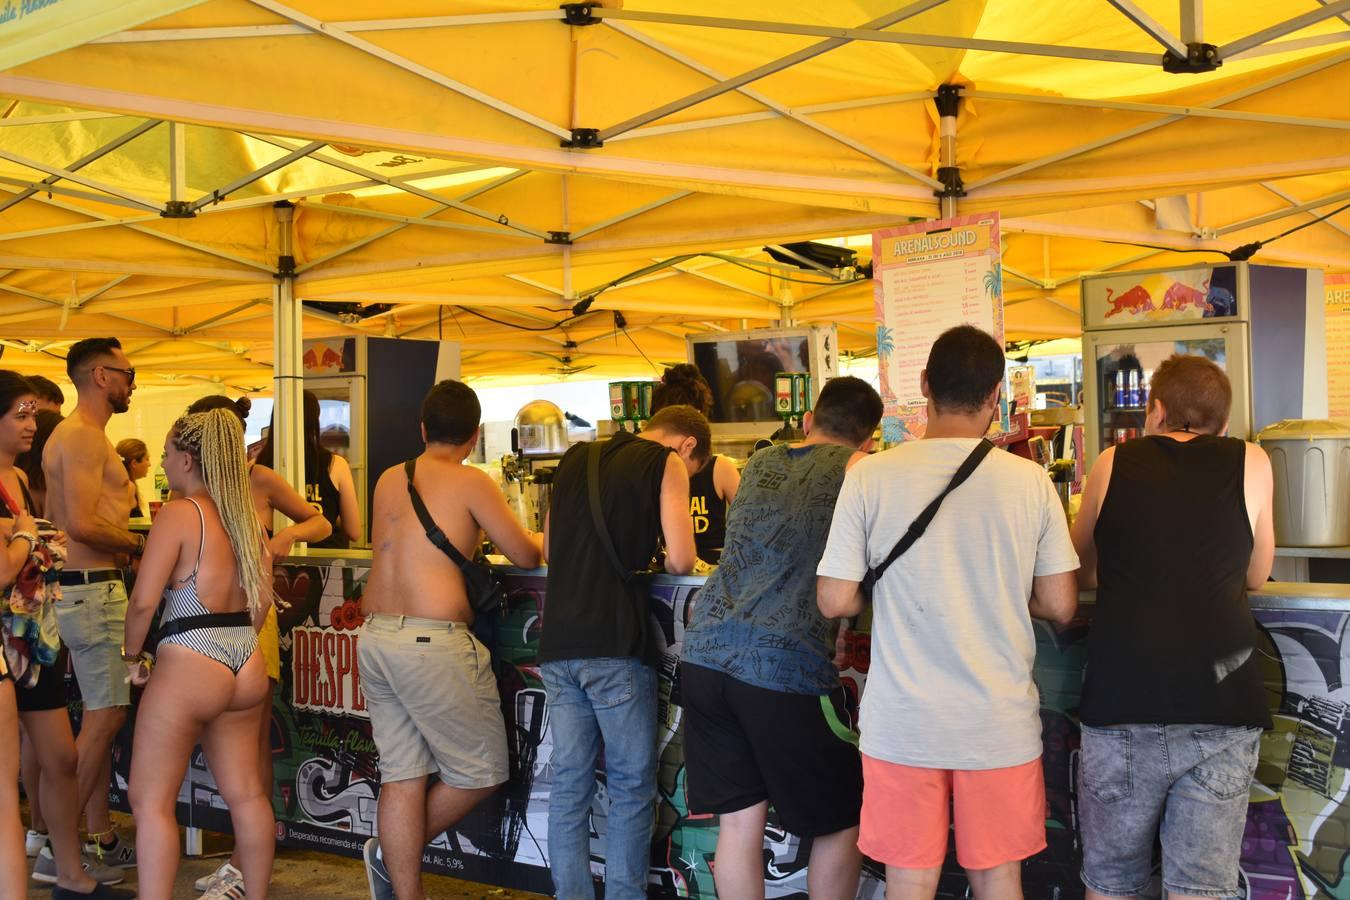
<point x="484" y="170"/>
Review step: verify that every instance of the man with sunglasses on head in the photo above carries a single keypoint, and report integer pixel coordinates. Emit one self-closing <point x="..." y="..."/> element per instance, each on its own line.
<point x="89" y="496"/>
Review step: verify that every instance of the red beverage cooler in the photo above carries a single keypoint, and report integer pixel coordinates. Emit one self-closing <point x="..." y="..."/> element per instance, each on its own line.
<point x="1263" y="324"/>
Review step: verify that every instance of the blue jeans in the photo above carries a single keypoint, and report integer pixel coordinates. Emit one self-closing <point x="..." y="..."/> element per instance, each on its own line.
<point x="613" y="698"/>
<point x="1187" y="783"/>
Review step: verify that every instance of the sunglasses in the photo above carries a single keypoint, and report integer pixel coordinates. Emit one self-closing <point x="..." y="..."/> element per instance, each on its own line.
<point x="130" y="373"/>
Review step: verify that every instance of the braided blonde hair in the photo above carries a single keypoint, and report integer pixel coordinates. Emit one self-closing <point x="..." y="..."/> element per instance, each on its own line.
<point x="215" y="439"/>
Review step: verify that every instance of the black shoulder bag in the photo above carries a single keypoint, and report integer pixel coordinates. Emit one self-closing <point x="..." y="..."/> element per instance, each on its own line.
<point x="920" y="524"/>
<point x="484" y="589"/>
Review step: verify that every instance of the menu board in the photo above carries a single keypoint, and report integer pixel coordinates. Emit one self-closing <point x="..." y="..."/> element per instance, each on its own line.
<point x="1338" y="345"/>
<point x="928" y="277"/>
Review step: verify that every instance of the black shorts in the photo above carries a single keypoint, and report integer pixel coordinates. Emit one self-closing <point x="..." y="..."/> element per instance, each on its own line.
<point x="745" y="744"/>
<point x="50" y="690"/>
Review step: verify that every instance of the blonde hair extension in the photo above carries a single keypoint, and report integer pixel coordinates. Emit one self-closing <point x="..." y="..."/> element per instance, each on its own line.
<point x="216" y="440"/>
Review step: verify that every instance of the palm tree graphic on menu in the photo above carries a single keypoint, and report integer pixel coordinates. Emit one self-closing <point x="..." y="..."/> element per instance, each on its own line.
<point x="885" y="343"/>
<point x="993" y="281"/>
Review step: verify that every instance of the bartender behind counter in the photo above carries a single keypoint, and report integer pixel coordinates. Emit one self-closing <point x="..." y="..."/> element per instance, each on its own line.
<point x="713" y="487"/>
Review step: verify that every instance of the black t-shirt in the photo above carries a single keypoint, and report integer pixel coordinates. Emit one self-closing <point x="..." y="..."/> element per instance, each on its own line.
<point x="323" y="495"/>
<point x="1173" y="638"/>
<point x="590" y="611"/>
<point x="709" y="513"/>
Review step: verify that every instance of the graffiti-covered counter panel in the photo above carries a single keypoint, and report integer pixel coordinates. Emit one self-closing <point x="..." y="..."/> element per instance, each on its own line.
<point x="327" y="783"/>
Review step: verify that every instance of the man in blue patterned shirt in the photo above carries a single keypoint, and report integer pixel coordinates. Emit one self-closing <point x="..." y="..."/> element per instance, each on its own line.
<point x="763" y="703"/>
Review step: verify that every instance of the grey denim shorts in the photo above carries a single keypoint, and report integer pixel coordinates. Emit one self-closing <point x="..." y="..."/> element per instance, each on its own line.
<point x="1190" y="781"/>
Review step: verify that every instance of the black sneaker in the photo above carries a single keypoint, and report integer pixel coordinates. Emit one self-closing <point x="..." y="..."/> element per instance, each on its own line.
<point x="377" y="876"/>
<point x="100" y="892"/>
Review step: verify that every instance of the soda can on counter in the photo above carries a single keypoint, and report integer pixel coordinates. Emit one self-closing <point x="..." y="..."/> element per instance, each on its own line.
<point x="1118" y="394"/>
<point x="1134" y="396"/>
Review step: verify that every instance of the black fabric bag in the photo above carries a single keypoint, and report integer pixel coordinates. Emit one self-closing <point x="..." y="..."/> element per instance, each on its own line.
<point x="921" y="523"/>
<point x="481" y="582"/>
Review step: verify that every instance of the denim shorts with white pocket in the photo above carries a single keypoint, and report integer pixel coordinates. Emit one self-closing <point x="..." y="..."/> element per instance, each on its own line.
<point x="1188" y="782"/>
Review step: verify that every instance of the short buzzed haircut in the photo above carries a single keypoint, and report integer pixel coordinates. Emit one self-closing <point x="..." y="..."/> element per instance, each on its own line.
<point x="1195" y="391"/>
<point x="451" y="412"/>
<point x="848" y="408"/>
<point x="964" y="366"/>
<point x="684" y="420"/>
<point x="47" y="389"/>
<point x="82" y="352"/>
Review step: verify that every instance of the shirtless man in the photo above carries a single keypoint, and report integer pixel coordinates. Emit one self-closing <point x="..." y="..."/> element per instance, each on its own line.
<point x="429" y="685"/>
<point x="89" y="495"/>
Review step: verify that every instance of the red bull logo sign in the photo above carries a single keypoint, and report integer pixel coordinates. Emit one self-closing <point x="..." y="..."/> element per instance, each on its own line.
<point x="325" y="676"/>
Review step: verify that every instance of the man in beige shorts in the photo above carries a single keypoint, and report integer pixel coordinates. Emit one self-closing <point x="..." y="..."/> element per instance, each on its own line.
<point x="429" y="685"/>
<point x="89" y="496"/>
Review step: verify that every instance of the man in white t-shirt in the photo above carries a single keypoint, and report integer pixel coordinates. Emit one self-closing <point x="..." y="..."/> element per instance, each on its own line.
<point x="950" y="714"/>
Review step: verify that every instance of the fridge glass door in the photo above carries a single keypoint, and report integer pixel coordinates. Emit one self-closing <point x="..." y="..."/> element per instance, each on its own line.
<point x="1123" y="365"/>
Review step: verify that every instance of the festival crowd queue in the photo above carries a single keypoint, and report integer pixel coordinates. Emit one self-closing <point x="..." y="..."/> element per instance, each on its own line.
<point x="954" y="546"/>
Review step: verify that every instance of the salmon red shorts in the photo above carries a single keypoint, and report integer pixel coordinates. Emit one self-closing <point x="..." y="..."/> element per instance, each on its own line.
<point x="907" y="813"/>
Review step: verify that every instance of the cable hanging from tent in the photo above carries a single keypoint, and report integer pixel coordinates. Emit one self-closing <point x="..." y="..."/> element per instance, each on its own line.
<point x="622" y="324"/>
<point x="1244" y="252"/>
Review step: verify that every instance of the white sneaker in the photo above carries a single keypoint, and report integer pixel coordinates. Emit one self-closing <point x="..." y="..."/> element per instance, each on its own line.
<point x="226" y="874"/>
<point x="34" y="841"/>
<point x="225" y="890"/>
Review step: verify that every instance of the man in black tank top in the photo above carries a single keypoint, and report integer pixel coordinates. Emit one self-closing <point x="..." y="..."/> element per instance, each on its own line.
<point x="597" y="649"/>
<point x="1175" y="528"/>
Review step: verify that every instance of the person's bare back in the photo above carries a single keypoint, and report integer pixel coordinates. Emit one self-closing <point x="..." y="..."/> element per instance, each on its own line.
<point x="86" y="478"/>
<point x="408" y="574"/>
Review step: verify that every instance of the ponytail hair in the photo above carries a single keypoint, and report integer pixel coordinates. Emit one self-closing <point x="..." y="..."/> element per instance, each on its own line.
<point x="215" y="439"/>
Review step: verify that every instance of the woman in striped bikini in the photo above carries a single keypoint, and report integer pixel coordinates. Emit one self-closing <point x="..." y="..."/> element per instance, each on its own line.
<point x="207" y="558"/>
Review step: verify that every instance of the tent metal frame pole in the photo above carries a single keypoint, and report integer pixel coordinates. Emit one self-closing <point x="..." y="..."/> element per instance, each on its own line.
<point x="67" y="175"/>
<point x="730" y="285"/>
<point x="78" y="226"/>
<point x="279" y="163"/>
<point x="109" y="267"/>
<point x="439" y="207"/>
<point x="85" y="160"/>
<point x="1329" y="199"/>
<point x="778" y="108"/>
<point x="205" y="323"/>
<point x="420" y="221"/>
<point x="766" y="115"/>
<point x="1185" y="111"/>
<point x="407" y="65"/>
<point x="156" y="35"/>
<point x="159" y="235"/>
<point x="55" y="118"/>
<point x="867" y="33"/>
<point x="1192" y="21"/>
<point x="1290" y="199"/>
<point x="1150" y="26"/>
<point x="177" y="162"/>
<point x="744" y="78"/>
<point x="548" y="289"/>
<point x="1343" y="16"/>
<point x="405" y="187"/>
<point x="288" y="370"/>
<point x="33" y="188"/>
<point x="1317" y="40"/>
<point x="1265" y="35"/>
<point x="630" y="214"/>
<point x="1152" y="126"/>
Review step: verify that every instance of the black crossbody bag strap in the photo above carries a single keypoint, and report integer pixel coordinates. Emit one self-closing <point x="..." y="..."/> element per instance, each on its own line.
<point x="434" y="533"/>
<point x="921" y="523"/>
<point x="597" y="516"/>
